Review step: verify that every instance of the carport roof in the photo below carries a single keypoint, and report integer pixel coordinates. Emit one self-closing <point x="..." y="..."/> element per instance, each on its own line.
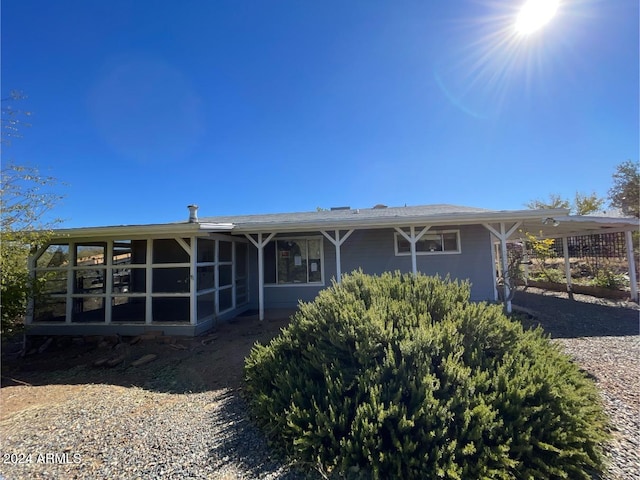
<point x="574" y="225"/>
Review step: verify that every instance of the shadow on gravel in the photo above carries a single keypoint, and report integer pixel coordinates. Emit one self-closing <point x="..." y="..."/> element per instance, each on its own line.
<point x="565" y="318"/>
<point x="240" y="450"/>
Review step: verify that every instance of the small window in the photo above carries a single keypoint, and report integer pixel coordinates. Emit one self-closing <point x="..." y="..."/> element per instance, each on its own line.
<point x="56" y="255"/>
<point x="88" y="254"/>
<point x="127" y="252"/>
<point x="206" y="305"/>
<point x="168" y="250"/>
<point x="431" y="243"/>
<point x="171" y="280"/>
<point x="225" y="251"/>
<point x="206" y="250"/>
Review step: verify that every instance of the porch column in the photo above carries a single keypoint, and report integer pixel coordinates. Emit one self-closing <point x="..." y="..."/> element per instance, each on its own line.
<point x="260" y="244"/>
<point x="494" y="266"/>
<point x="567" y="265"/>
<point x="337" y="243"/>
<point x="503" y="235"/>
<point x="633" y="279"/>
<point x="412" y="238"/>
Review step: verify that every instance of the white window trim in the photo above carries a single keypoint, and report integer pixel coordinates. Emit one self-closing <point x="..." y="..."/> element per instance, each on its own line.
<point x="396" y="235"/>
<point x="306" y="284"/>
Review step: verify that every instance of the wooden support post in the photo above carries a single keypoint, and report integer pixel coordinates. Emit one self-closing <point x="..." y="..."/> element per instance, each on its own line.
<point x="503" y="235"/>
<point x="633" y="279"/>
<point x="260" y="244"/>
<point x="567" y="266"/>
<point x="412" y="238"/>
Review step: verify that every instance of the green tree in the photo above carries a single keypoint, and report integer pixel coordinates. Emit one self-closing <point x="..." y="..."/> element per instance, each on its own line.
<point x="625" y="193"/>
<point x="26" y="199"/>
<point x="582" y="204"/>
<point x="555" y="201"/>
<point x="586" y="204"/>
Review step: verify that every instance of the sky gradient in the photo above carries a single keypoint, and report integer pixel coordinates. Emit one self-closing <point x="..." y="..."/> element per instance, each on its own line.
<point x="143" y="107"/>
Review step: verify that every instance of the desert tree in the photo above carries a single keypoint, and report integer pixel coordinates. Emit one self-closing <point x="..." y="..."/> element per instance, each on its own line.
<point x="554" y="201"/>
<point x="583" y="204"/>
<point x="625" y="192"/>
<point x="27" y="198"/>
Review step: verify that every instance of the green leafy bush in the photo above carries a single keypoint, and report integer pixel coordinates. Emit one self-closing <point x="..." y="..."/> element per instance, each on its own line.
<point x="607" y="278"/>
<point x="400" y="376"/>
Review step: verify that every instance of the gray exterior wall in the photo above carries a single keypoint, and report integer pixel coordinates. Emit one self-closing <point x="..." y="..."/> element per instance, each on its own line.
<point x="374" y="252"/>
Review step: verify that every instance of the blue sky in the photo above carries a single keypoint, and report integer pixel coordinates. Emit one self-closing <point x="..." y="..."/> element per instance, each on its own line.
<point x="143" y="107"/>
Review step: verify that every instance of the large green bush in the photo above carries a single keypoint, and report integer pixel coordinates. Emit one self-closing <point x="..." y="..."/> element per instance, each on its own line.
<point x="400" y="376"/>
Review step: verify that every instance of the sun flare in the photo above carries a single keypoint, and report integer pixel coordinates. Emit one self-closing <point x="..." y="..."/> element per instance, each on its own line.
<point x="535" y="14"/>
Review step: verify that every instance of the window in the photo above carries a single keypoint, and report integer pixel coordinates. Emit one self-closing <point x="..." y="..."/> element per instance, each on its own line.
<point x="55" y="256"/>
<point x="169" y="250"/>
<point x="293" y="261"/>
<point x="431" y="243"/>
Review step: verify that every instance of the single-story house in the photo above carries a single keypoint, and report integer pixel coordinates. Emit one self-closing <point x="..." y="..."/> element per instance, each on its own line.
<point x="183" y="277"/>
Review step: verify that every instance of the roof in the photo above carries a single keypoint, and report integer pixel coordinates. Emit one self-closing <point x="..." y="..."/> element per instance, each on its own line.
<point x="546" y="222"/>
<point x="344" y="217"/>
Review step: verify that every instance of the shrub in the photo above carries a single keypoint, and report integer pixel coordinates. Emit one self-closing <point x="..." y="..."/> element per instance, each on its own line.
<point x="606" y="277"/>
<point x="400" y="376"/>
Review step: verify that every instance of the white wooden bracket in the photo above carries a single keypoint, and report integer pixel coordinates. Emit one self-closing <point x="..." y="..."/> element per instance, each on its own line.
<point x="412" y="238"/>
<point x="503" y="235"/>
<point x="337" y="242"/>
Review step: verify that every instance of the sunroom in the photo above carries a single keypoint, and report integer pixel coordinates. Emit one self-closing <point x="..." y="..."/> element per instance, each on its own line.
<point x="128" y="282"/>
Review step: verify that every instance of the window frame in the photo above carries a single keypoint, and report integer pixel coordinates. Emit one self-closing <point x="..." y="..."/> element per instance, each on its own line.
<point x="306" y="238"/>
<point x="458" y="251"/>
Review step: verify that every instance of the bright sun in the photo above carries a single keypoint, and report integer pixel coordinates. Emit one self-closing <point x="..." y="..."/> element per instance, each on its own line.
<point x="535" y="14"/>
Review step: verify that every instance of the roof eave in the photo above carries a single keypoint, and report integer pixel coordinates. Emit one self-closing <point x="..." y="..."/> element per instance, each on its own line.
<point x="143" y="230"/>
<point x="400" y="221"/>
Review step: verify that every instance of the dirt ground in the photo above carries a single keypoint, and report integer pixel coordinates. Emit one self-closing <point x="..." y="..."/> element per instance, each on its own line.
<point x="181" y="364"/>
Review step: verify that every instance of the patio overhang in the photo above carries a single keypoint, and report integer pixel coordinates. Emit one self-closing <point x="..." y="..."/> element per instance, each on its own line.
<point x="132" y="231"/>
<point x="562" y="227"/>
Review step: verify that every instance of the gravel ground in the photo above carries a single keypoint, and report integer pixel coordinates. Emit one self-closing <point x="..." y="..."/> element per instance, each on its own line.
<point x="613" y="362"/>
<point x="106" y="431"/>
<point x="603" y="337"/>
<point x="96" y="431"/>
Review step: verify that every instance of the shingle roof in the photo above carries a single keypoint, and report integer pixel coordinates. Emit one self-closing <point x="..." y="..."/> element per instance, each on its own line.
<point x="342" y="215"/>
<point x="422" y="215"/>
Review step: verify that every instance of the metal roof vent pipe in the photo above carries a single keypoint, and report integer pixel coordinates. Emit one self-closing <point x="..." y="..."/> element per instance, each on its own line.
<point x="193" y="213"/>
